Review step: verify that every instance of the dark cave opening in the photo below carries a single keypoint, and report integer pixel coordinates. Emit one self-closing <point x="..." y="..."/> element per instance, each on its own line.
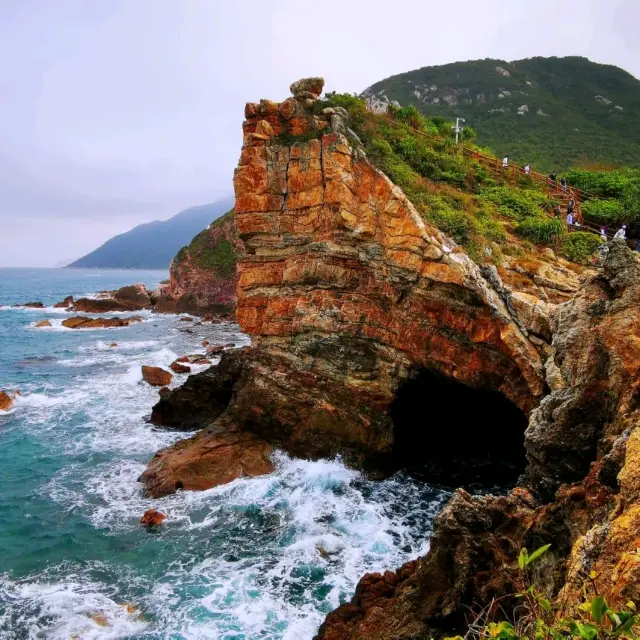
<point x="450" y="433"/>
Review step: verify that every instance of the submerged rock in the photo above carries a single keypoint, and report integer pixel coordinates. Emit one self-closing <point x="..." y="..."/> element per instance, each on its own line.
<point x="152" y="518"/>
<point x="155" y="376"/>
<point x="31" y="305"/>
<point x="43" y="323"/>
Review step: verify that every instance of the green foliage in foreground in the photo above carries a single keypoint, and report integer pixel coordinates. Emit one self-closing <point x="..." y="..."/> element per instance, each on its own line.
<point x="539" y="618"/>
<point x="541" y="230"/>
<point x="581" y="246"/>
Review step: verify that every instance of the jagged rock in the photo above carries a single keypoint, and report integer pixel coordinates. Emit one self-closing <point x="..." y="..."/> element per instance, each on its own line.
<point x="65" y="304"/>
<point x="155" y="376"/>
<point x="202" y="398"/>
<point x="201" y="361"/>
<point x="215" y="349"/>
<point x="134" y="294"/>
<point x="176" y="367"/>
<point x="307" y="88"/>
<point x="43" y="323"/>
<point x="31" y="305"/>
<point x="212" y="457"/>
<point x="205" y="343"/>
<point x="152" y="518"/>
<point x="84" y="322"/>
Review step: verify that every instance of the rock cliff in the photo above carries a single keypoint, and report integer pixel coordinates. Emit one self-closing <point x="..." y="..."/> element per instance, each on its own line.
<point x="202" y="276"/>
<point x="366" y="321"/>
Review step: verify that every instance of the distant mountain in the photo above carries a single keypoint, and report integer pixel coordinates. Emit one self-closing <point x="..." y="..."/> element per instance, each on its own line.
<point x="552" y="112"/>
<point x="154" y="244"/>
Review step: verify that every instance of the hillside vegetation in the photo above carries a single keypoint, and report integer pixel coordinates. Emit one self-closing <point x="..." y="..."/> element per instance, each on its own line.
<point x="486" y="214"/>
<point x="555" y="113"/>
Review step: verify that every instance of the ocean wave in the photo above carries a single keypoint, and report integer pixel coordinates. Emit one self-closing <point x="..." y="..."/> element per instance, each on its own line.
<point x="73" y="607"/>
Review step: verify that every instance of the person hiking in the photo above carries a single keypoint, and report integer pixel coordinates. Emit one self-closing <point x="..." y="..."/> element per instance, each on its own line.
<point x="621" y="233"/>
<point x="603" y="232"/>
<point x="505" y="162"/>
<point x="557" y="212"/>
<point x="553" y="178"/>
<point x="570" y="219"/>
<point x="571" y="205"/>
<point x="563" y="183"/>
<point x="527" y="169"/>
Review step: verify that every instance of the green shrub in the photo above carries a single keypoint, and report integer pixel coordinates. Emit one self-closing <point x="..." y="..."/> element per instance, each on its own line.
<point x="609" y="212"/>
<point x="541" y="230"/>
<point x="605" y="184"/>
<point x="457" y="223"/>
<point x="181" y="255"/>
<point x="517" y="203"/>
<point x="580" y="246"/>
<point x="538" y="617"/>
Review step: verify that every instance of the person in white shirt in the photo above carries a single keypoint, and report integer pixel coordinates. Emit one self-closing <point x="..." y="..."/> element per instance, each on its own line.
<point x="505" y="162"/>
<point x="621" y="233"/>
<point x="527" y="169"/>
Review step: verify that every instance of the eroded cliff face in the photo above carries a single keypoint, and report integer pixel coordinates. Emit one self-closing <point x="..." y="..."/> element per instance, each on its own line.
<point x="348" y="295"/>
<point x="202" y="277"/>
<point x="583" y="446"/>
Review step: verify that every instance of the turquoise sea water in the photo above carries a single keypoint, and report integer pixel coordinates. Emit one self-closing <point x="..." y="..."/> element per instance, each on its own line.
<point x="259" y="558"/>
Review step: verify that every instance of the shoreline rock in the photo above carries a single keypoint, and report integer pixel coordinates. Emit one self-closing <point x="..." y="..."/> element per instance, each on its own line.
<point x="84" y="322"/>
<point x="7" y="400"/>
<point x="156" y="376"/>
<point x="152" y="518"/>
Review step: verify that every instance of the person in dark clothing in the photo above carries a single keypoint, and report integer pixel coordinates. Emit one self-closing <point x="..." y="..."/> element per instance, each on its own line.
<point x="553" y="178"/>
<point x="563" y="182"/>
<point x="571" y="205"/>
<point x="557" y="211"/>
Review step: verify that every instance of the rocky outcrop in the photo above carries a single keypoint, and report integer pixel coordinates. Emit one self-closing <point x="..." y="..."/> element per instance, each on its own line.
<point x="350" y="297"/>
<point x="215" y="456"/>
<point x="65" y="304"/>
<point x="156" y="376"/>
<point x="42" y="324"/>
<point x="202" y="277"/>
<point x="583" y="446"/>
<point x="134" y="294"/>
<point x="84" y="322"/>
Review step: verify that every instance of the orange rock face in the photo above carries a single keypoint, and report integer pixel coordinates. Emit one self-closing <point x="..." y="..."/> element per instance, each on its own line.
<point x="6" y="401"/>
<point x="212" y="457"/>
<point x="152" y="518"/>
<point x="156" y="377"/>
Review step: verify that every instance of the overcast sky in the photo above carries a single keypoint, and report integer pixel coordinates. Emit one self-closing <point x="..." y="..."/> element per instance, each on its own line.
<point x="117" y="112"/>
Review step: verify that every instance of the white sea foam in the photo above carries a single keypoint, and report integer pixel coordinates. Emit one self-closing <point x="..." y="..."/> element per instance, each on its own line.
<point x="61" y="610"/>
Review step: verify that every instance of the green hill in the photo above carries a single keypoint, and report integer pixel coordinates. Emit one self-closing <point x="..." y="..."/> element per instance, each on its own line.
<point x="553" y="112"/>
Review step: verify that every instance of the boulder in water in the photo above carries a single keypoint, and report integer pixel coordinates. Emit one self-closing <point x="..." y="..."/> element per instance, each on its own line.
<point x="135" y="294"/>
<point x="176" y="367"/>
<point x="205" y="343"/>
<point x="215" y="349"/>
<point x="7" y="399"/>
<point x="103" y="305"/>
<point x="65" y="304"/>
<point x="156" y="377"/>
<point x="43" y="323"/>
<point x="31" y="305"/>
<point x="186" y="319"/>
<point x="83" y="322"/>
<point x="152" y="518"/>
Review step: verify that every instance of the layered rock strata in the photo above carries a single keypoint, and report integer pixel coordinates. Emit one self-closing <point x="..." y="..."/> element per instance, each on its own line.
<point x="346" y="293"/>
